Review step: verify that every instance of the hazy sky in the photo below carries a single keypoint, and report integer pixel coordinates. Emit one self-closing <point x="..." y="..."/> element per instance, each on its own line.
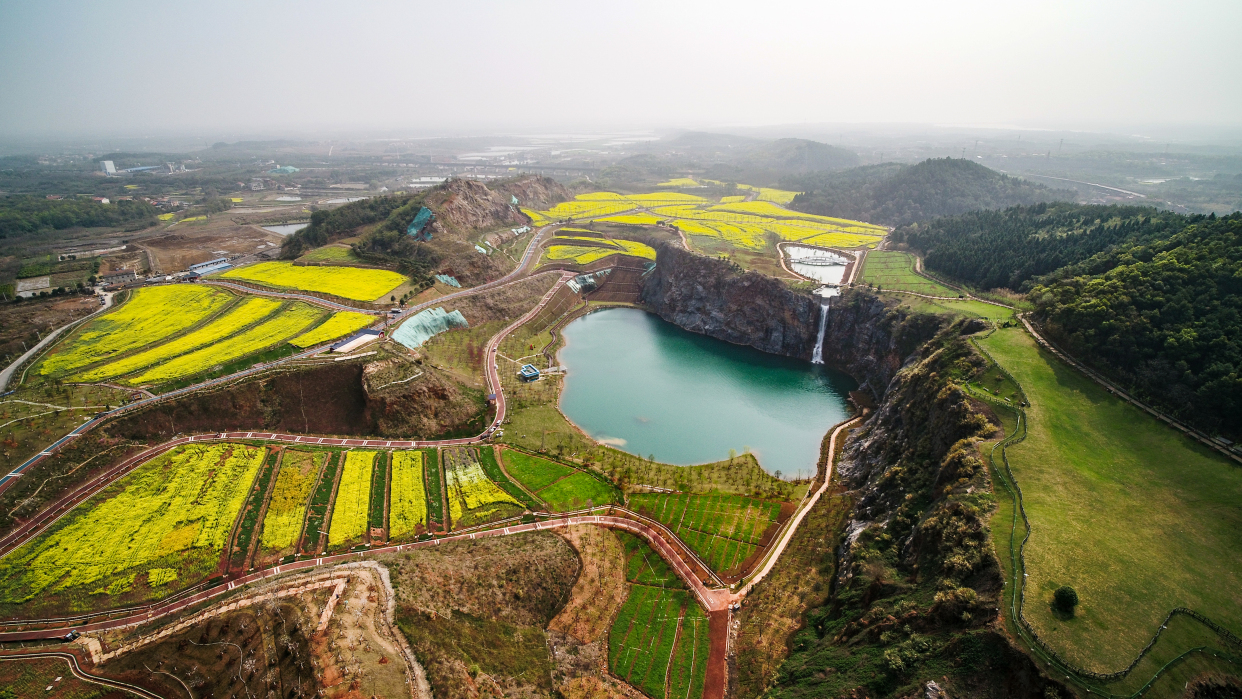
<point x="133" y="67"/>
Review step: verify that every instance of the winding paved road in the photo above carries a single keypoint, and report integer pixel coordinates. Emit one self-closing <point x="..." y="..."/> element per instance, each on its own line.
<point x="7" y="373"/>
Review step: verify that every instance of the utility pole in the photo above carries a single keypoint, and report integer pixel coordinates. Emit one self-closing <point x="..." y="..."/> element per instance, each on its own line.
<point x="1059" y="146"/>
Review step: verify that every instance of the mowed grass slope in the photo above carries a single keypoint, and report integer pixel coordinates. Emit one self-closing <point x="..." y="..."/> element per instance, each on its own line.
<point x="1136" y="517"/>
<point x="894" y="271"/>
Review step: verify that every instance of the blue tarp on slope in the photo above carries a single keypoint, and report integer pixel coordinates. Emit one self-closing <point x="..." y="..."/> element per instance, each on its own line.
<point x="426" y="325"/>
<point x="418" y="226"/>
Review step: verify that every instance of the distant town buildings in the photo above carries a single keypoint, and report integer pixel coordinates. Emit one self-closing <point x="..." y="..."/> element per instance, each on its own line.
<point x="123" y="276"/>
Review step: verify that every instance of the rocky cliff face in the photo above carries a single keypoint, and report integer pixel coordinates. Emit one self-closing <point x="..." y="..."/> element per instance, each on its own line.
<point x="464" y="207"/>
<point x="862" y="337"/>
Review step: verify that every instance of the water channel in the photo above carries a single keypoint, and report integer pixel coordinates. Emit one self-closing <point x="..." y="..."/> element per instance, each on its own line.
<point x="650" y="388"/>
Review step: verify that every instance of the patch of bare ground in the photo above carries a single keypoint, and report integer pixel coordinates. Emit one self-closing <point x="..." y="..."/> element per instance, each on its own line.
<point x="248" y="652"/>
<point x="28" y="321"/>
<point x="578" y="635"/>
<point x="474" y="612"/>
<point x="505" y="303"/>
<point x="357" y="654"/>
<point x="775" y="609"/>
<point x="600" y="589"/>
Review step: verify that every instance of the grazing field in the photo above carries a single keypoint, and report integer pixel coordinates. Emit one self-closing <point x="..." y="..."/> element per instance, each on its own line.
<point x="562" y="487"/>
<point x="746" y="225"/>
<point x="174" y="513"/>
<point x="287" y="509"/>
<point x="151" y="315"/>
<point x="407" y="509"/>
<point x="241" y="316"/>
<point x="289" y="322"/>
<point x="1137" y="518"/>
<point x="349" y="512"/>
<point x="894" y="271"/>
<point x="353" y="283"/>
<point x="724" y="530"/>
<point x="472" y="497"/>
<point x="340" y="324"/>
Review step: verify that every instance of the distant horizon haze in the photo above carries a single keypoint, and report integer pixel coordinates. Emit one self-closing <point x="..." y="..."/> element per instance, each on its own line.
<point x="133" y="67"/>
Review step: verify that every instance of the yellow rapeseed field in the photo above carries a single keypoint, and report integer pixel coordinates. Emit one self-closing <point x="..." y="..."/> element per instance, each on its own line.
<point x="175" y="512"/>
<point x="353" y="497"/>
<point x="407" y="509"/>
<point x="282" y="524"/>
<point x="742" y="224"/>
<point x="347" y="282"/>
<point x="240" y="316"/>
<point x="284" y="325"/>
<point x="679" y="182"/>
<point x="340" y="324"/>
<point x="152" y="315"/>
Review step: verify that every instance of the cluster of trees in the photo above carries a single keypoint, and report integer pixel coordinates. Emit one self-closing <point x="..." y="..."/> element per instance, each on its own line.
<point x="21" y="215"/>
<point x="1162" y="315"/>
<point x="897" y="195"/>
<point x="326" y="226"/>
<point x="1151" y="298"/>
<point x="993" y="249"/>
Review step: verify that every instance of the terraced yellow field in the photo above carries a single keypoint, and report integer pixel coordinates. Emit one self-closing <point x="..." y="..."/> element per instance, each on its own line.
<point x="340" y="324"/>
<point x="742" y="224"/>
<point x="244" y="314"/>
<point x="353" y="283"/>
<point x="151" y="315"/>
<point x="286" y="324"/>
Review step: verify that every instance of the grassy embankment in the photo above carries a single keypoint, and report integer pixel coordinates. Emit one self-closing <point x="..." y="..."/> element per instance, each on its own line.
<point x="893" y="271"/>
<point x="1137" y="518"/>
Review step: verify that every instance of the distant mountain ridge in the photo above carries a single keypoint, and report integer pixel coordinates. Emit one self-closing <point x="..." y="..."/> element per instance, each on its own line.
<point x="896" y="195"/>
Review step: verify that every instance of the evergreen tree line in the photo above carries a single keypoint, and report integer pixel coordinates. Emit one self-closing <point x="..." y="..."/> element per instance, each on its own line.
<point x="1151" y="298"/>
<point x="896" y="195"/>
<point x="21" y="214"/>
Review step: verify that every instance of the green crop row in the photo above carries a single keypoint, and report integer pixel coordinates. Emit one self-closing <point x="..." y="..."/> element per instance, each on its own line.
<point x="642" y="637"/>
<point x="487" y="457"/>
<point x="250" y="515"/>
<point x="689" y="670"/>
<point x="431" y="481"/>
<point x="317" y="512"/>
<point x="645" y="566"/>
<point x="379" y="490"/>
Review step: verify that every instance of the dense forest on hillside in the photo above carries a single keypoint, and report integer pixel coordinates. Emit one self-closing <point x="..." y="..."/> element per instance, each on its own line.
<point x="1152" y="298"/>
<point x="991" y="249"/>
<point x="896" y="195"/>
<point x="325" y="226"/>
<point x="28" y="214"/>
<point x="729" y="159"/>
<point x="1163" y="315"/>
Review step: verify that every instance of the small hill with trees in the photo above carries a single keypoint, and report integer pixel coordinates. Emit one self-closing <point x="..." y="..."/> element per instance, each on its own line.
<point x="895" y="195"/>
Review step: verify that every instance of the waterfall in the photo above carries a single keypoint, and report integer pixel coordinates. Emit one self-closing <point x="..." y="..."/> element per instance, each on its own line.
<point x="817" y="356"/>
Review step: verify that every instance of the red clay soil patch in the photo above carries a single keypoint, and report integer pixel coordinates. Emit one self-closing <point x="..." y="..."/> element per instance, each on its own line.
<point x="717" y="665"/>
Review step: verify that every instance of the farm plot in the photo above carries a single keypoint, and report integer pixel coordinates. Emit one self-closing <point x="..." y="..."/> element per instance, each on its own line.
<point x="239" y="553"/>
<point x="724" y="530"/>
<point x="296" y="318"/>
<point x="641" y="641"/>
<point x="379" y="492"/>
<point x="472" y="497"/>
<point x="340" y="324"/>
<point x="349" y="512"/>
<point x="688" y="672"/>
<point x="353" y="283"/>
<point x="407" y="509"/>
<point x="168" y="520"/>
<point x="330" y="254"/>
<point x="317" y="510"/>
<point x="643" y="565"/>
<point x="746" y="225"/>
<point x="562" y="487"/>
<point x="151" y="315"/>
<point x="894" y="271"/>
<point x="487" y="459"/>
<point x="241" y="316"/>
<point x="287" y="509"/>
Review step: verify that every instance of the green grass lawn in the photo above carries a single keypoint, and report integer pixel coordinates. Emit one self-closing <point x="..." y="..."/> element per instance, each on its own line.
<point x="331" y="254"/>
<point x="965" y="307"/>
<point x="561" y="487"/>
<point x="1136" y="517"/>
<point x="893" y="270"/>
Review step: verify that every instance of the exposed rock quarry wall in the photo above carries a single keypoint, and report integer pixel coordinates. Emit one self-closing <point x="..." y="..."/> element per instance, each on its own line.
<point x="863" y="337"/>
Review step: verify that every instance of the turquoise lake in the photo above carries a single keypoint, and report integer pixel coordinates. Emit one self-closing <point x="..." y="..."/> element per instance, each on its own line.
<point x="648" y="387"/>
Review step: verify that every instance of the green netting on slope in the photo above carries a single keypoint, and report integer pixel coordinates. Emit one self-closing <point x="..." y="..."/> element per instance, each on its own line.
<point x="426" y="325"/>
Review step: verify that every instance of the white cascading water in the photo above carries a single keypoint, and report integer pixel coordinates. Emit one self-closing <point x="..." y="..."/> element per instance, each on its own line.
<point x="817" y="356"/>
